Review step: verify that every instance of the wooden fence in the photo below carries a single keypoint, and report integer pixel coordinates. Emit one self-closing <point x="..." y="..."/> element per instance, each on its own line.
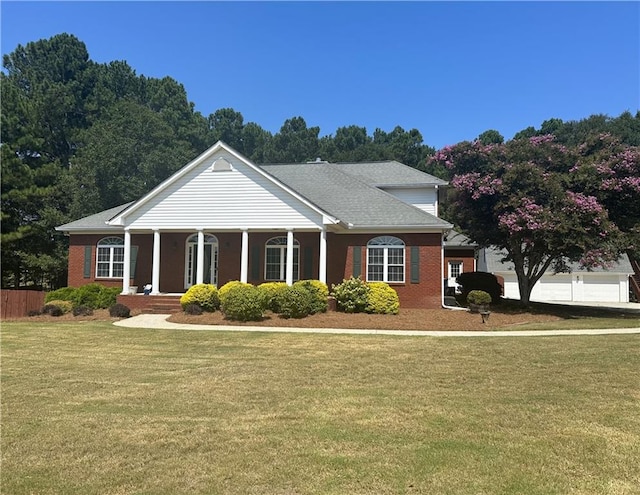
<point x="18" y="303"/>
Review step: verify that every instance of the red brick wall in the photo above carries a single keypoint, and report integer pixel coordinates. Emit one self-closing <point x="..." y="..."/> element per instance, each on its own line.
<point x="467" y="256"/>
<point x="77" y="243"/>
<point x="425" y="294"/>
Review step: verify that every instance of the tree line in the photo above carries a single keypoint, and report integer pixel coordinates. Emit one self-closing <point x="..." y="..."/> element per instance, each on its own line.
<point x="79" y="137"/>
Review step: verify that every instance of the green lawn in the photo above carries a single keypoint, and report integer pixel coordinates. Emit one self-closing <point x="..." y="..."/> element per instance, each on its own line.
<point x="88" y="408"/>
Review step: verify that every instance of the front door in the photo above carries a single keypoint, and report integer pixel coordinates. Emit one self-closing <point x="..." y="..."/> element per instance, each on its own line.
<point x="210" y="260"/>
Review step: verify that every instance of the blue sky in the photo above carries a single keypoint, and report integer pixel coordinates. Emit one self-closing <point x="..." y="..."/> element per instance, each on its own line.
<point x="449" y="69"/>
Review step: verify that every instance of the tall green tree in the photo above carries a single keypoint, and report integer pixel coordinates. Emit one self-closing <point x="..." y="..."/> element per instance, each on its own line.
<point x="79" y="137"/>
<point x="491" y="136"/>
<point x="294" y="143"/>
<point x="43" y="115"/>
<point x="130" y="150"/>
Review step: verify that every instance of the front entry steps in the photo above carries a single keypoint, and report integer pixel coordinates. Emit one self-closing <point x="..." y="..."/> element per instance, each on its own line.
<point x="162" y="304"/>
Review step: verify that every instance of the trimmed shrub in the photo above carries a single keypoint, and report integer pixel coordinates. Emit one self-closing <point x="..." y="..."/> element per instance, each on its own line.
<point x="204" y="295"/>
<point x="320" y="293"/>
<point x="484" y="281"/>
<point x="65" y="306"/>
<point x="224" y="290"/>
<point x="82" y="311"/>
<point x="34" y="312"/>
<point x="351" y="295"/>
<point x="62" y="294"/>
<point x="296" y="301"/>
<point x="272" y="292"/>
<point x="382" y="299"/>
<point x="193" y="309"/>
<point x="119" y="311"/>
<point x="95" y="296"/>
<point x="52" y="310"/>
<point x="479" y="297"/>
<point x="243" y="302"/>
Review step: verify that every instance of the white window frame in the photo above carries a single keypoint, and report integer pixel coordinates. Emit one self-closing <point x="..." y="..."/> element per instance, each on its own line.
<point x="110" y="246"/>
<point x="190" y="254"/>
<point x="279" y="245"/>
<point x="389" y="245"/>
<point x="451" y="264"/>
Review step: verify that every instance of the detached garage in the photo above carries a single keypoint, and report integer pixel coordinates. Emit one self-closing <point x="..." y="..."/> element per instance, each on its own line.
<point x="580" y="285"/>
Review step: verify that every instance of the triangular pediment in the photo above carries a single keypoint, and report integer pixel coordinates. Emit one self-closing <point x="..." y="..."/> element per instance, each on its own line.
<point x="221" y="190"/>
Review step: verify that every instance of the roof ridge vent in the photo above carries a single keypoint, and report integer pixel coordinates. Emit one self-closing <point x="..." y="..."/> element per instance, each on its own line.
<point x="319" y="160"/>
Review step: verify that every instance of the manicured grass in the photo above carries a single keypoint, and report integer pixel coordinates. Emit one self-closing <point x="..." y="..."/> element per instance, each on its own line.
<point x="88" y="408"/>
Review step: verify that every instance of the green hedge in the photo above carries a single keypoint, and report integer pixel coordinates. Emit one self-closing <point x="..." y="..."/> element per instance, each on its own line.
<point x="94" y="295"/>
<point x="272" y="292"/>
<point x="319" y="294"/>
<point x="243" y="302"/>
<point x="204" y="295"/>
<point x="382" y="299"/>
<point x="296" y="301"/>
<point x="224" y="290"/>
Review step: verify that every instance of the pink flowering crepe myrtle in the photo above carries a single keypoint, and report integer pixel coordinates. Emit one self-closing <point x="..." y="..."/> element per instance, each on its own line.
<point x="529" y="196"/>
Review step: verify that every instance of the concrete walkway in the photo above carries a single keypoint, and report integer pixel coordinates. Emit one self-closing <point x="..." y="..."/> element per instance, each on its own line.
<point x="159" y="322"/>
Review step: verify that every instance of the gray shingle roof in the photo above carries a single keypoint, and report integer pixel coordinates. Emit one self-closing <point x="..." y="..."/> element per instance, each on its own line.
<point x="390" y="173"/>
<point x="456" y="239"/>
<point x="490" y="261"/>
<point x="351" y="199"/>
<point x="346" y="191"/>
<point x="96" y="221"/>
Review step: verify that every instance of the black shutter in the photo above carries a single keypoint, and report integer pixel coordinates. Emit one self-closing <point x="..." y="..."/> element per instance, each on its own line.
<point x="87" y="261"/>
<point x="415" y="264"/>
<point x="357" y="261"/>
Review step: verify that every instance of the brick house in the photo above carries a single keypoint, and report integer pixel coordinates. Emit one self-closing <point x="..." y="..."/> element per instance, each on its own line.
<point x="222" y="217"/>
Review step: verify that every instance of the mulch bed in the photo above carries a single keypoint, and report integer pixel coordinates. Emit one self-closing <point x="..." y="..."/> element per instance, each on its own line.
<point x="407" y="319"/>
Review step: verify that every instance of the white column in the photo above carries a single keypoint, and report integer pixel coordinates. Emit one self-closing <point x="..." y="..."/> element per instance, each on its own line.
<point x="200" y="260"/>
<point x="289" y="265"/>
<point x="244" y="259"/>
<point x="127" y="262"/>
<point x="155" y="273"/>
<point x="322" y="269"/>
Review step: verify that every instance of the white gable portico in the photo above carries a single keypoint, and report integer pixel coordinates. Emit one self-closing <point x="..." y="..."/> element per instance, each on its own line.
<point x="221" y="191"/>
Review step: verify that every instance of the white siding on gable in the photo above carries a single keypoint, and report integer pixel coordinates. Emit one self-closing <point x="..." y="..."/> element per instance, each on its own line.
<point x="223" y="199"/>
<point x="425" y="198"/>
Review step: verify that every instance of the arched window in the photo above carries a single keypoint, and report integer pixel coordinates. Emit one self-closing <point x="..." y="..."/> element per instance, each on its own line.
<point x="276" y="259"/>
<point x="110" y="258"/>
<point x="385" y="259"/>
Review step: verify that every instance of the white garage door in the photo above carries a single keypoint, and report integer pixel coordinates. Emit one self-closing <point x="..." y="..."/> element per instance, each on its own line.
<point x="601" y="288"/>
<point x="553" y="288"/>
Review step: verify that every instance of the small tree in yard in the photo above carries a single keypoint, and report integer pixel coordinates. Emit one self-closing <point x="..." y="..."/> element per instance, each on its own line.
<point x="523" y="197"/>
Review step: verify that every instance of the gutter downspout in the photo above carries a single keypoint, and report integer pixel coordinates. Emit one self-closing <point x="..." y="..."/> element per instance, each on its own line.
<point x="444" y="234"/>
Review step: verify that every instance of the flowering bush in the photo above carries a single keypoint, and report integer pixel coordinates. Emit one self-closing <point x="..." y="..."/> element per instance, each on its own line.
<point x="204" y="295"/>
<point x="351" y="295"/>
